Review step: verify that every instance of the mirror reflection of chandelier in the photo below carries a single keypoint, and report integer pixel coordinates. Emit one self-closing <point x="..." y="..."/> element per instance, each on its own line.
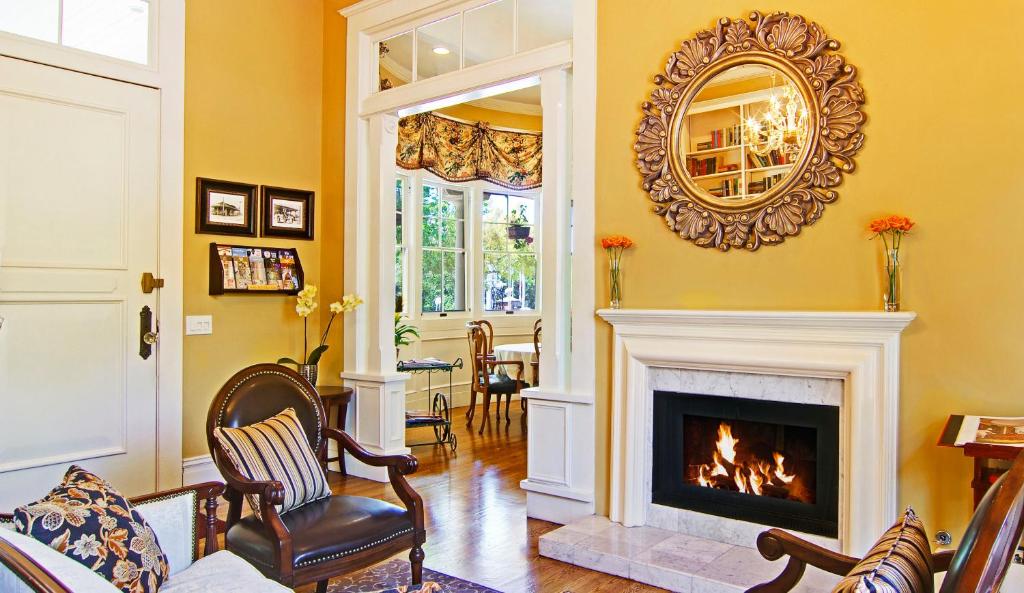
<point x="782" y="126"/>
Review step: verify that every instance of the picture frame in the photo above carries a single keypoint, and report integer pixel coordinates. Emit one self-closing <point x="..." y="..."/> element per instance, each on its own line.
<point x="225" y="207"/>
<point x="287" y="212"/>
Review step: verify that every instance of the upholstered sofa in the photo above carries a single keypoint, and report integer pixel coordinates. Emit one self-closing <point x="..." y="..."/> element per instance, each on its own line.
<point x="27" y="565"/>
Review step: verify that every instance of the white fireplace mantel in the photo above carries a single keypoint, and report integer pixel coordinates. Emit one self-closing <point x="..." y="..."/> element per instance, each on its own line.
<point x="862" y="348"/>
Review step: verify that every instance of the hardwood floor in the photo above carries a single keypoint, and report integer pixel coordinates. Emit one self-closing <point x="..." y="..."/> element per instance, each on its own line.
<point x="476" y="513"/>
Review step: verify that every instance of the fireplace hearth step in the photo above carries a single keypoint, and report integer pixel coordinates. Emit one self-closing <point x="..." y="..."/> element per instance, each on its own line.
<point x="667" y="559"/>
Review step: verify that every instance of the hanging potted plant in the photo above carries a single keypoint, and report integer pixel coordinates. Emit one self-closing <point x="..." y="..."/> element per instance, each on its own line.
<point x="518" y="229"/>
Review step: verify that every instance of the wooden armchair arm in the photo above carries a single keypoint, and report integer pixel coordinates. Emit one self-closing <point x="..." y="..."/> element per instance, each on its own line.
<point x="775" y="543"/>
<point x="494" y="363"/>
<point x="941" y="560"/>
<point x="206" y="501"/>
<point x="269" y="493"/>
<point x="403" y="464"/>
<point x="398" y="467"/>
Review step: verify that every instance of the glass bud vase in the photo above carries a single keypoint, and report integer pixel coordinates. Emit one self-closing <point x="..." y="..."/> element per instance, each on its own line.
<point x="892" y="279"/>
<point x="615" y="282"/>
<point x="308" y="372"/>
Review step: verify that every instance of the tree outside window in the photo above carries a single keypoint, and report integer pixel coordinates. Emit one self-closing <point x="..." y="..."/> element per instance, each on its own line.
<point x="444" y="249"/>
<point x="401" y="251"/>
<point x="509" y="250"/>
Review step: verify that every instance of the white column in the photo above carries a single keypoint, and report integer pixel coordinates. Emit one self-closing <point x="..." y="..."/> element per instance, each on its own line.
<point x="377" y="420"/>
<point x="560" y="419"/>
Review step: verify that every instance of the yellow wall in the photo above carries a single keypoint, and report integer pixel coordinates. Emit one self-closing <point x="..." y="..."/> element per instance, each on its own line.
<point x="501" y="119"/>
<point x="929" y="100"/>
<point x="333" y="181"/>
<point x="253" y="98"/>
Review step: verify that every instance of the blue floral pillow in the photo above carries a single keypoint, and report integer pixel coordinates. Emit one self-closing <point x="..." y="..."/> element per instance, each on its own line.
<point x="89" y="521"/>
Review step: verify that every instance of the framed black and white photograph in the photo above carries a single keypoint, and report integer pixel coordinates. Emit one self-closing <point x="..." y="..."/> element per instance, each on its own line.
<point x="287" y="212"/>
<point x="225" y="207"/>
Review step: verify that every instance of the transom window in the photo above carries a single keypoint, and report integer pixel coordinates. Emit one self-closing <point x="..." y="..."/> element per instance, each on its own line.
<point x="114" y="28"/>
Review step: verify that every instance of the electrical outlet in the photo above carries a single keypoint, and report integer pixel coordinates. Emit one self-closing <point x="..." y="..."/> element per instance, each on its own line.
<point x="198" y="325"/>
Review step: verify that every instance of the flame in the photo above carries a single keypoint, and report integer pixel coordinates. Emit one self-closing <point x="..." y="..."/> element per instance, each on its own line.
<point x="741" y="481"/>
<point x="756" y="479"/>
<point x="780" y="471"/>
<point x="703" y="478"/>
<point x="719" y="469"/>
<point x="749" y="474"/>
<point x="726" y="443"/>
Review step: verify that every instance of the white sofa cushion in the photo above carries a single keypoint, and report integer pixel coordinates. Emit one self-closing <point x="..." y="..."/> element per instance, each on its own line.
<point x="74" y="575"/>
<point x="222" y="572"/>
<point x="173" y="520"/>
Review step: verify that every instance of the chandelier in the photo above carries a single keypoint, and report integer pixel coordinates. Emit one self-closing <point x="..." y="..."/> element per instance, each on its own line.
<point x="782" y="126"/>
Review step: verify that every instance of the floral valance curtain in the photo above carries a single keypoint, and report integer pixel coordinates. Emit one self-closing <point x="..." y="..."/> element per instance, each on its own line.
<point x="459" y="151"/>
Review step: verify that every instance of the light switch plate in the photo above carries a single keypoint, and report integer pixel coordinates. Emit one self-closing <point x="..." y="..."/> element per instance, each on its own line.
<point x="198" y="325"/>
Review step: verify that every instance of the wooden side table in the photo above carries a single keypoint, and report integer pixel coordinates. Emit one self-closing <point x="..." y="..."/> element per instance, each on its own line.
<point x="336" y="395"/>
<point x="985" y="471"/>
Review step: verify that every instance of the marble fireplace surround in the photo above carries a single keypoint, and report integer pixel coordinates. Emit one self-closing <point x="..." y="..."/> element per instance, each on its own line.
<point x="860" y="349"/>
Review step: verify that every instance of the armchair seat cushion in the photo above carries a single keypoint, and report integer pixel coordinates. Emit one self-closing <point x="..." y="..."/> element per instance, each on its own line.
<point x="326" y="529"/>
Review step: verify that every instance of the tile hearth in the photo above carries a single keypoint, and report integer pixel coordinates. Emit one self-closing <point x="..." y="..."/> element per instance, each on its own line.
<point x="668" y="559"/>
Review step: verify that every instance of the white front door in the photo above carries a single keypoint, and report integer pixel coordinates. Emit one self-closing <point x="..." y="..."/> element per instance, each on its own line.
<point x="79" y="191"/>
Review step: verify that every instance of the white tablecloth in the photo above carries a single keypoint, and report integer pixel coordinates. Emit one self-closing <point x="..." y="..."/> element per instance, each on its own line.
<point x="519" y="351"/>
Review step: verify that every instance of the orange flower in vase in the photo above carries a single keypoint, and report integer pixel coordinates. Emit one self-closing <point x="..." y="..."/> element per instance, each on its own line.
<point x="614" y="245"/>
<point x="891" y="230"/>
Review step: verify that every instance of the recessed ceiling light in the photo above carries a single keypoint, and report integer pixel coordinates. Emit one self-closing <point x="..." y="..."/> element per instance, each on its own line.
<point x="442" y="50"/>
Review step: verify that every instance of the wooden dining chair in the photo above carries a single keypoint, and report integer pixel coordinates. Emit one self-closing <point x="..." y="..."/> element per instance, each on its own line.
<point x="484" y="380"/>
<point x="536" y="363"/>
<point x="979" y="565"/>
<point x="488" y="331"/>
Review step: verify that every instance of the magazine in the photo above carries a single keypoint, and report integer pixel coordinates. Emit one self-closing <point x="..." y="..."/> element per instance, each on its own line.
<point x="991" y="430"/>
<point x="243" y="277"/>
<point x="227" y="266"/>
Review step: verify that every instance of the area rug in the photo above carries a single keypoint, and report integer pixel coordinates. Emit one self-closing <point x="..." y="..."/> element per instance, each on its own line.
<point x="395" y="573"/>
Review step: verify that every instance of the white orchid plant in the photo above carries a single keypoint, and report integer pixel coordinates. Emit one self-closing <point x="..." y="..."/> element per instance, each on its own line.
<point x="305" y="304"/>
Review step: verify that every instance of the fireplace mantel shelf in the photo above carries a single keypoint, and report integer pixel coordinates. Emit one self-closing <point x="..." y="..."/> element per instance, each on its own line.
<point x="855" y="320"/>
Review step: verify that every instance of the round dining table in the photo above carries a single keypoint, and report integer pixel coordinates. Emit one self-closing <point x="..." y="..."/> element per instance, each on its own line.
<point x="517" y="351"/>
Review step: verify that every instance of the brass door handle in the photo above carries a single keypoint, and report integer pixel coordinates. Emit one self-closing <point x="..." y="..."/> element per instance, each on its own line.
<point x="151" y="338"/>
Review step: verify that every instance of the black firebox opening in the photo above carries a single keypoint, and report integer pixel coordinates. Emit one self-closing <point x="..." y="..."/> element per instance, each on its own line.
<point x="774" y="463"/>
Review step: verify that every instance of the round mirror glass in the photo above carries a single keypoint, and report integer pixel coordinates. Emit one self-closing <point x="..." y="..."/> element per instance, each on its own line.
<point x="743" y="132"/>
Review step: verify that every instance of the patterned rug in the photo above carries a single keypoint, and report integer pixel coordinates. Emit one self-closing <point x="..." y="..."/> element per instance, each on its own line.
<point x="395" y="573"/>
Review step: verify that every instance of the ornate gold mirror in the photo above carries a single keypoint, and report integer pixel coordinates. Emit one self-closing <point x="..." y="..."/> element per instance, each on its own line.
<point x="748" y="130"/>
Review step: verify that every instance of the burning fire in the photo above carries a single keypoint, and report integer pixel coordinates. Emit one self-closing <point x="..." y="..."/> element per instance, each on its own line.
<point x="759" y="477"/>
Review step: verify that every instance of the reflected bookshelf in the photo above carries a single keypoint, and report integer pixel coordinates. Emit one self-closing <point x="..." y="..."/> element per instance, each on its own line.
<point x="716" y="157"/>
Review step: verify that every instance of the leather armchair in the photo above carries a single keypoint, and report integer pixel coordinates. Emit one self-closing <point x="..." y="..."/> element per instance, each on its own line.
<point x="321" y="539"/>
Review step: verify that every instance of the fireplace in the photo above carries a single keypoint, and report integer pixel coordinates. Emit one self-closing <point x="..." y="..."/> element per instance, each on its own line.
<point x="767" y="462"/>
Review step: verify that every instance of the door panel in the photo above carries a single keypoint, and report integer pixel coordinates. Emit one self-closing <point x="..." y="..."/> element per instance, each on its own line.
<point x="78" y="227"/>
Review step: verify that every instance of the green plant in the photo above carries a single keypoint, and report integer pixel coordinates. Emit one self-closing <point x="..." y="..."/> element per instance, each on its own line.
<point x="402" y="331"/>
<point x="306" y="304"/>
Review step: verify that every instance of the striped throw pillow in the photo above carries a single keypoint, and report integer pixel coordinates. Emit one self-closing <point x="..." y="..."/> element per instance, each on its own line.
<point x="899" y="562"/>
<point x="276" y="449"/>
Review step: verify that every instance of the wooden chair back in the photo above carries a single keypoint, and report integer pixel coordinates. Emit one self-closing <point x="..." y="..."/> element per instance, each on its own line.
<point x="535" y="363"/>
<point x="478" y="351"/>
<point x="258" y="392"/>
<point x="488" y="330"/>
<point x="987" y="547"/>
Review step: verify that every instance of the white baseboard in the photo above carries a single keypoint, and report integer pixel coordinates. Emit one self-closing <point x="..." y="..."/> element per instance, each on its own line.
<point x="196" y="470"/>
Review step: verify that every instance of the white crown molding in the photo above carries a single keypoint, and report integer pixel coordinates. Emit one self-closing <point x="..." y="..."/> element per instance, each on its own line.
<point x="862" y="348"/>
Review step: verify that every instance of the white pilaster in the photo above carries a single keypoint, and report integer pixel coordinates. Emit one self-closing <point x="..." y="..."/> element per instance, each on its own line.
<point x="378" y="422"/>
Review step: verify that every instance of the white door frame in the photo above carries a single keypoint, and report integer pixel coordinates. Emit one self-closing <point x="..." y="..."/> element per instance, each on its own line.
<point x="166" y="73"/>
<point x="560" y="477"/>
